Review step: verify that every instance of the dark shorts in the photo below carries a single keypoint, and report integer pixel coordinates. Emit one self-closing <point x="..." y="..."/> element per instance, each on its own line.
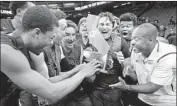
<point x="74" y="101"/>
<point x="84" y="102"/>
<point x="106" y="97"/>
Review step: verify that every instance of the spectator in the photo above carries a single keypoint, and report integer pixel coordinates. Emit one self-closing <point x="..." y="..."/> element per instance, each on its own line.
<point x="83" y="35"/>
<point x="171" y="33"/>
<point x="52" y="53"/>
<point x="160" y="37"/>
<point x="172" y="21"/>
<point x="156" y="21"/>
<point x="162" y="31"/>
<point x="128" y="22"/>
<point x="172" y="40"/>
<point x="72" y="57"/>
<point x="18" y="8"/>
<point x="172" y="37"/>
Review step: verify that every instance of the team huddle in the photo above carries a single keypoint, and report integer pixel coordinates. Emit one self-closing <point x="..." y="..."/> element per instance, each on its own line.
<point x="46" y="61"/>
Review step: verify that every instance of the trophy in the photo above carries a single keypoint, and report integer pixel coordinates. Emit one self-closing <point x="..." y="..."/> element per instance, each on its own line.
<point x="90" y="55"/>
<point x="106" y="64"/>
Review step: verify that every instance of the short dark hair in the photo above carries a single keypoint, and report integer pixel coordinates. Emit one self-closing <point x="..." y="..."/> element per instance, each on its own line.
<point x="59" y="14"/>
<point x="156" y="25"/>
<point x="14" y="5"/>
<point x="39" y="17"/>
<point x="107" y="14"/>
<point x="129" y="17"/>
<point x="72" y="24"/>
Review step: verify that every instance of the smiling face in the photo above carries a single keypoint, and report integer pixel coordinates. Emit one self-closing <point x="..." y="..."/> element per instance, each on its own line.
<point x="105" y="27"/>
<point x="83" y="29"/>
<point x="126" y="29"/>
<point x="70" y="36"/>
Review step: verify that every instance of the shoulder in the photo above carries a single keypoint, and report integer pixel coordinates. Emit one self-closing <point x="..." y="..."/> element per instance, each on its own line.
<point x="166" y="48"/>
<point x="166" y="52"/>
<point x="161" y="39"/>
<point x="12" y="59"/>
<point x="7" y="50"/>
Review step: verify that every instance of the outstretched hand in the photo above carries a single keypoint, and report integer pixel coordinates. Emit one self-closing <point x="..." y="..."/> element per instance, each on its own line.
<point x="120" y="85"/>
<point x="120" y="56"/>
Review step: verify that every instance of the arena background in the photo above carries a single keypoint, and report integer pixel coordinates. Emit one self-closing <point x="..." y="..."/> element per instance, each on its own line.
<point x="147" y="11"/>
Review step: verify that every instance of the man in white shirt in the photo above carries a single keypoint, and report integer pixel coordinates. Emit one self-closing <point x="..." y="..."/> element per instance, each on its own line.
<point x="154" y="66"/>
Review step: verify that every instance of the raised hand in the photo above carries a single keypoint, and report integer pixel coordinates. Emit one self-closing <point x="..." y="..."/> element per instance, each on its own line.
<point x="120" y="56"/>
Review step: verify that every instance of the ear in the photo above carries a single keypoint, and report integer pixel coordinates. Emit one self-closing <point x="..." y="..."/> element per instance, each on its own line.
<point x="37" y="32"/>
<point x="151" y="38"/>
<point x="18" y="11"/>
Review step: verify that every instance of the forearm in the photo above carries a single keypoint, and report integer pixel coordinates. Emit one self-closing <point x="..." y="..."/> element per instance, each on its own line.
<point x="63" y="76"/>
<point x="144" y="88"/>
<point x="65" y="87"/>
<point x="43" y="70"/>
<point x="52" y="92"/>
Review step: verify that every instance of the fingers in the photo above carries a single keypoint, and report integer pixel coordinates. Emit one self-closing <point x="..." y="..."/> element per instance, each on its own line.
<point x="115" y="85"/>
<point x="103" y="71"/>
<point x="125" y="71"/>
<point x="93" y="62"/>
<point x="96" y="66"/>
<point x="121" y="80"/>
<point x="120" y="56"/>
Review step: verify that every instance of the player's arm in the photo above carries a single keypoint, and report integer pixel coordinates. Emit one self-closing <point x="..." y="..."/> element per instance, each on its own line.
<point x="15" y="65"/>
<point x="65" y="75"/>
<point x="41" y="67"/>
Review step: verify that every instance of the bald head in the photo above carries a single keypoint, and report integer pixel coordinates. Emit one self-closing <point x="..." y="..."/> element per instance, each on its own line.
<point x="146" y="30"/>
<point x="144" y="38"/>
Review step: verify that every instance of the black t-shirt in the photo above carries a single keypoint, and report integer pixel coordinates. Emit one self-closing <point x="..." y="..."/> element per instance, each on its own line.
<point x="116" y="44"/>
